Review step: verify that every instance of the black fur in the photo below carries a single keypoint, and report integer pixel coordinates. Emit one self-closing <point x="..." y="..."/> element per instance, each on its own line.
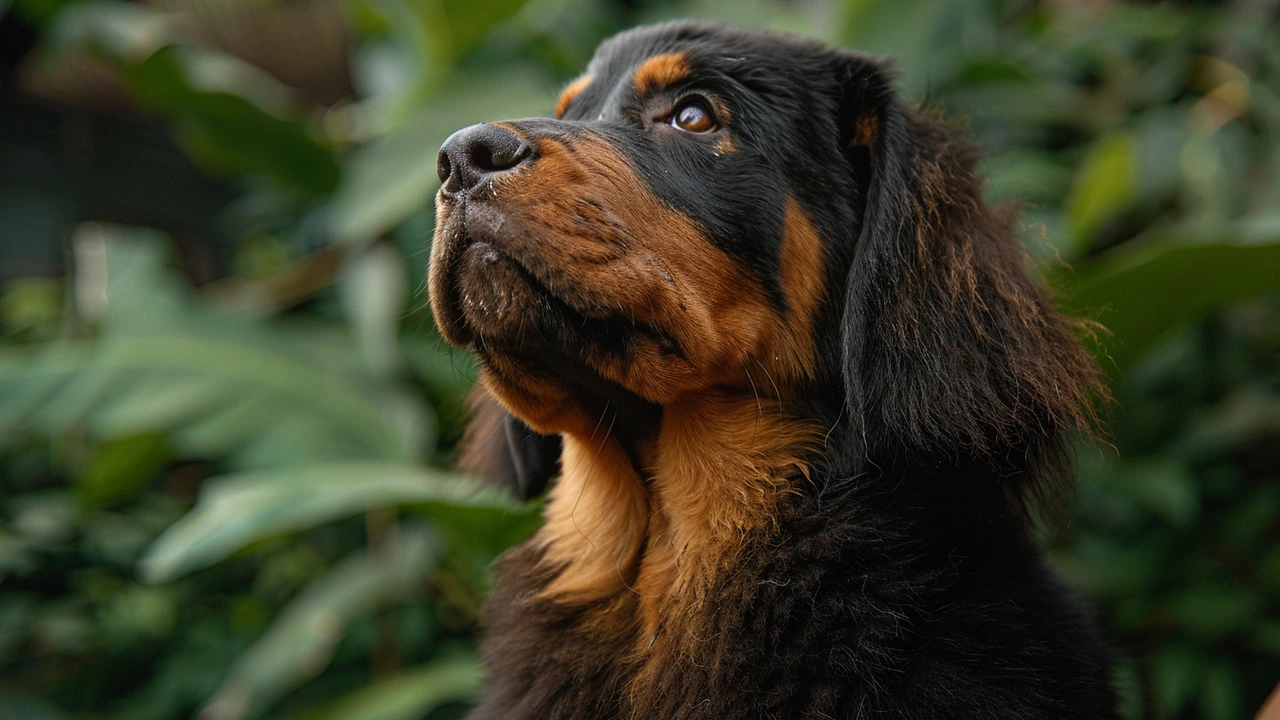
<point x="900" y="579"/>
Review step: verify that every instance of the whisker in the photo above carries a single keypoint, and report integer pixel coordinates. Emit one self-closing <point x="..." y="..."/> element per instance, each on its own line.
<point x="573" y="514"/>
<point x="759" y="406"/>
<point x="832" y="429"/>
<point x="776" y="393"/>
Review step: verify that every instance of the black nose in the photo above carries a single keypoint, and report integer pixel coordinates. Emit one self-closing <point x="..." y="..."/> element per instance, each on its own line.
<point x="476" y="153"/>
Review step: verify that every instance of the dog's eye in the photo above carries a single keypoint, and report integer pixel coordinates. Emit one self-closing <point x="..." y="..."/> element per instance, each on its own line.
<point x="693" y="116"/>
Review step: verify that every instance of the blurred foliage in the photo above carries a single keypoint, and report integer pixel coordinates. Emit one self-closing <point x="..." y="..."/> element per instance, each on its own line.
<point x="229" y="502"/>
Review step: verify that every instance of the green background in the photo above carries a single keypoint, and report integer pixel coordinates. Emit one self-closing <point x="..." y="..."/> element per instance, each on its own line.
<point x="226" y="420"/>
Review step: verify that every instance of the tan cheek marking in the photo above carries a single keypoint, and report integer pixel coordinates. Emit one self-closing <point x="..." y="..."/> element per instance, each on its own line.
<point x="661" y="71"/>
<point x="596" y="519"/>
<point x="804" y="273"/>
<point x="572" y="91"/>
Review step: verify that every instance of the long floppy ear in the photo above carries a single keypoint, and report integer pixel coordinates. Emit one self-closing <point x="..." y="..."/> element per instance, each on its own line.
<point x="952" y="352"/>
<point x="498" y="447"/>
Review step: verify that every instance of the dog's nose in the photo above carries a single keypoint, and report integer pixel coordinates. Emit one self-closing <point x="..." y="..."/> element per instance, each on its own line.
<point x="475" y="153"/>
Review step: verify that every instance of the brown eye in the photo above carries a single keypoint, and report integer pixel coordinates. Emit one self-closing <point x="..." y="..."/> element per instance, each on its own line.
<point x="693" y="116"/>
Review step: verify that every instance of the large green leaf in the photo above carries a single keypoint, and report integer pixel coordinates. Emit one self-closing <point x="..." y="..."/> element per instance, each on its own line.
<point x="229" y="133"/>
<point x="1164" y="488"/>
<point x="1214" y="611"/>
<point x="1147" y="291"/>
<point x="180" y="383"/>
<point x="242" y="124"/>
<point x="220" y="385"/>
<point x="234" y="511"/>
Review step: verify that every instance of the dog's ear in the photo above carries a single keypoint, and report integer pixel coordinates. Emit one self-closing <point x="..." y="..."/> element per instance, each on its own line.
<point x="498" y="447"/>
<point x="952" y="352"/>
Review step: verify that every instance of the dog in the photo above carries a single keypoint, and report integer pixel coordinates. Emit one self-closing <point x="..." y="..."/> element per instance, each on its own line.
<point x="801" y="392"/>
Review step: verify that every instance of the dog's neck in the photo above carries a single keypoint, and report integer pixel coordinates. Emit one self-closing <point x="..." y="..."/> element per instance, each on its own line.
<point x="660" y="510"/>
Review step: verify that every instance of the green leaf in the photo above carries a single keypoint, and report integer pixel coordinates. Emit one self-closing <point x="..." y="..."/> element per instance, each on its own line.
<point x="407" y="696"/>
<point x="1223" y="695"/>
<point x="1027" y="176"/>
<point x="1107" y="568"/>
<point x="126" y="280"/>
<point x="30" y="303"/>
<point x="215" y="102"/>
<point x="1144" y="292"/>
<point x="1127" y="680"/>
<point x="227" y="132"/>
<point x="300" y="642"/>
<point x="218" y="384"/>
<point x="68" y="382"/>
<point x="1164" y="486"/>
<point x="119" y="469"/>
<point x="1104" y="186"/>
<point x="910" y="29"/>
<point x="234" y="511"/>
<point x="1213" y="611"/>
<point x="463" y="27"/>
<point x="1250" y="414"/>
<point x="119" y="29"/>
<point x="374" y="287"/>
<point x="1266" y="638"/>
<point x="1176" y="675"/>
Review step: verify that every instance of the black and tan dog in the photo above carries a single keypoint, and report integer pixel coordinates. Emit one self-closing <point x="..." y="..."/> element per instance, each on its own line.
<point x="801" y="389"/>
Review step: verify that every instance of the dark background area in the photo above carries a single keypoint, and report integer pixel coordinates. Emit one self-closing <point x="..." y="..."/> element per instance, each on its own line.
<point x="226" y="420"/>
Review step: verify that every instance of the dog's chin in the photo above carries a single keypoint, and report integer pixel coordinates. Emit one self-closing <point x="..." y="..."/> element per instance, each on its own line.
<point x="504" y="309"/>
<point x="498" y="302"/>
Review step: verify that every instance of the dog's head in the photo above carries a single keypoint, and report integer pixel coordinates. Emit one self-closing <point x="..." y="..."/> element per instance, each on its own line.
<point x="711" y="208"/>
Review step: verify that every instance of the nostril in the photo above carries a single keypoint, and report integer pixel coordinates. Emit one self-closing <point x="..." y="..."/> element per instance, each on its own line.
<point x="498" y="153"/>
<point x="481" y="157"/>
<point x="443" y="167"/>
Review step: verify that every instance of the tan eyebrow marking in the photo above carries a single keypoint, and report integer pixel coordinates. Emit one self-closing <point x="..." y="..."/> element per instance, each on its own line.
<point x="572" y="91"/>
<point x="661" y="71"/>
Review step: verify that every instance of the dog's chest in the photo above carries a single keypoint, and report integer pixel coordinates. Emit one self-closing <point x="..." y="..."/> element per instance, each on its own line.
<point x="603" y="661"/>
